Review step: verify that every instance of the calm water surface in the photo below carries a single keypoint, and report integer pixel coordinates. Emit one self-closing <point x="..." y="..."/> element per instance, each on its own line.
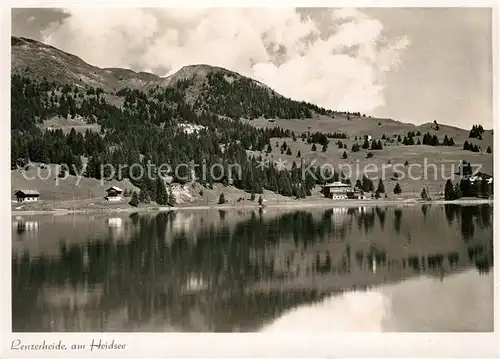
<point x="416" y="268"/>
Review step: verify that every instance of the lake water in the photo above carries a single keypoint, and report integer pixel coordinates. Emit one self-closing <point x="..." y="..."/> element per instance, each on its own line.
<point x="414" y="268"/>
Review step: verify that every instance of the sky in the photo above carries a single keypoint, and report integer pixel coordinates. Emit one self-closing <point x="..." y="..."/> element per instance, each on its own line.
<point x="414" y="65"/>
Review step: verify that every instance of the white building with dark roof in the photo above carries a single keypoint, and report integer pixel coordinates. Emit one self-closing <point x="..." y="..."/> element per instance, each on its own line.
<point x="336" y="190"/>
<point x="114" y="194"/>
<point x="27" y="195"/>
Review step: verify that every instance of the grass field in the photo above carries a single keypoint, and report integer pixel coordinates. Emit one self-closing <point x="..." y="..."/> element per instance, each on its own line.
<point x="429" y="166"/>
<point x="360" y="126"/>
<point x="66" y="124"/>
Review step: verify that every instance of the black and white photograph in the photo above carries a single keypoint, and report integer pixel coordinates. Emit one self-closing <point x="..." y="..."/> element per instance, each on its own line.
<point x="249" y="170"/>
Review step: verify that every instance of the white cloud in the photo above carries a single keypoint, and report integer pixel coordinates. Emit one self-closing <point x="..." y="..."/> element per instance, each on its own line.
<point x="338" y="61"/>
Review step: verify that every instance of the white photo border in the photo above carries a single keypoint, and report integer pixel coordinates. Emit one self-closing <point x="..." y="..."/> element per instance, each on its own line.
<point x="306" y="344"/>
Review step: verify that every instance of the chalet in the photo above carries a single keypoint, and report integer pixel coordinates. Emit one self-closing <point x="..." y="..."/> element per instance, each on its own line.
<point x="27" y="195"/>
<point x="114" y="194"/>
<point x="480" y="176"/>
<point x="336" y="190"/>
<point x="356" y="194"/>
<point x="478" y="184"/>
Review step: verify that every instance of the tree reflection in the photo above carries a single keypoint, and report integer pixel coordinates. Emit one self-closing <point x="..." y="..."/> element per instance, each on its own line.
<point x="201" y="279"/>
<point x="450" y="210"/>
<point x="467" y="222"/>
<point x="425" y="209"/>
<point x="381" y="215"/>
<point x="398" y="214"/>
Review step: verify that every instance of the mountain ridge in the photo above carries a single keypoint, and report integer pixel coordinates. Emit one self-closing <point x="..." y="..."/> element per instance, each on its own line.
<point x="26" y="53"/>
<point x="51" y="62"/>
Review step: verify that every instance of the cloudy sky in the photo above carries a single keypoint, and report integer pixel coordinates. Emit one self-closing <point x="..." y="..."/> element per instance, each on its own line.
<point x="413" y="65"/>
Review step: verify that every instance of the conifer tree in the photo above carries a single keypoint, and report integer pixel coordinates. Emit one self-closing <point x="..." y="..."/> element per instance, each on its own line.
<point x="424" y="194"/>
<point x="457" y="192"/>
<point x="380" y="187"/>
<point x="449" y="193"/>
<point x="134" y="201"/>
<point x="485" y="188"/>
<point x="171" y="197"/>
<point x="366" y="144"/>
<point x="161" y="192"/>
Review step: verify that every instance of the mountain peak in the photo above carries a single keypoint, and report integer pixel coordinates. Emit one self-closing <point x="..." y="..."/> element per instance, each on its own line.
<point x="200" y="84"/>
<point x="197" y="72"/>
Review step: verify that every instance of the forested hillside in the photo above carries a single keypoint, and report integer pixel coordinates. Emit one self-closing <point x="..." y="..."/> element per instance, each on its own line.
<point x="146" y="130"/>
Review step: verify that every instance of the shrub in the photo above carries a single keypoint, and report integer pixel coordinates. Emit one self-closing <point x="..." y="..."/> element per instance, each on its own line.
<point x="134" y="202"/>
<point x="381" y="187"/>
<point x="449" y="192"/>
<point x="424" y="195"/>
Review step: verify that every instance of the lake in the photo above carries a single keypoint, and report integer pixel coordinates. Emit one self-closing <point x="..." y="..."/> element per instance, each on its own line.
<point x="410" y="268"/>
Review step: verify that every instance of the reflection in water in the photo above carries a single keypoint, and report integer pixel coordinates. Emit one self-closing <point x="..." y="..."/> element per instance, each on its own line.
<point x="398" y="214"/>
<point x="385" y="309"/>
<point x="425" y="208"/>
<point x="229" y="271"/>
<point x="381" y="216"/>
<point x="22" y="226"/>
<point x="114" y="222"/>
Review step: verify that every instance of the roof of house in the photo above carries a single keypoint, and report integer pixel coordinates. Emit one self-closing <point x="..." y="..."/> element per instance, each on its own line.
<point x="114" y="188"/>
<point x="483" y="174"/>
<point x="479" y="175"/>
<point x="337" y="184"/>
<point x="28" y="192"/>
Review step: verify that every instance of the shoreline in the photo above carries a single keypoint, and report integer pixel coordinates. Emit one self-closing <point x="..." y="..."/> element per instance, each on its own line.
<point x="254" y="206"/>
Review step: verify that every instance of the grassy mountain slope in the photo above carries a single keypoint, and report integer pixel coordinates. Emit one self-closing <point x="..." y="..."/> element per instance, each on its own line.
<point x="56" y="65"/>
